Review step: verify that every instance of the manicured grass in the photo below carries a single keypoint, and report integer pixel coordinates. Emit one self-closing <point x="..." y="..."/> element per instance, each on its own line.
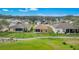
<point x="31" y="34"/>
<point x="41" y="44"/>
<point x="24" y="34"/>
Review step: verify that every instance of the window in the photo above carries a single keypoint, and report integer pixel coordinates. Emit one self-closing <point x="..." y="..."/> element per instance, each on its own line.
<point x="19" y="29"/>
<point x="37" y="30"/>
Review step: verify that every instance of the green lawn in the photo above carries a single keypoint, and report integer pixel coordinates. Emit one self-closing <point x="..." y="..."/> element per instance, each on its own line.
<point x="38" y="44"/>
<point x="41" y="44"/>
<point x="31" y="34"/>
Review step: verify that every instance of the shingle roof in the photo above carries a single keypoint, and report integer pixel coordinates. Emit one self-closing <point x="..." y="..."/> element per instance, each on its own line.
<point x="21" y="25"/>
<point x="41" y="26"/>
<point x="64" y="25"/>
<point x="18" y="25"/>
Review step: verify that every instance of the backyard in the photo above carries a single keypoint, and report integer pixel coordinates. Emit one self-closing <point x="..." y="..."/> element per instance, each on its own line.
<point x="32" y="34"/>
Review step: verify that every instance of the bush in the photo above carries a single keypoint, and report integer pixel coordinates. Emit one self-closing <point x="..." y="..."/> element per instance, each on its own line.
<point x="71" y="46"/>
<point x="74" y="49"/>
<point x="64" y="43"/>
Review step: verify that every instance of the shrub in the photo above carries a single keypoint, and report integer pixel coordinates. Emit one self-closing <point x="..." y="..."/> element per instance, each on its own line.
<point x="64" y="43"/>
<point x="74" y="49"/>
<point x="71" y="46"/>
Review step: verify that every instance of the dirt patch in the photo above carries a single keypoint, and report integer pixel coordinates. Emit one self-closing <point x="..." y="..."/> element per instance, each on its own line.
<point x="72" y="41"/>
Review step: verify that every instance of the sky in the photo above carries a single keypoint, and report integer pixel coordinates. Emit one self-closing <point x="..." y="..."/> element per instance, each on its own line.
<point x="39" y="11"/>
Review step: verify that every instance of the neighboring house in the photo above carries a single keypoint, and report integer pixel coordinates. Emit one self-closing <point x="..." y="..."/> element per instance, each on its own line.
<point x="41" y="22"/>
<point x="42" y="28"/>
<point x="3" y="28"/>
<point x="37" y="22"/>
<point x="19" y="27"/>
<point x="64" y="28"/>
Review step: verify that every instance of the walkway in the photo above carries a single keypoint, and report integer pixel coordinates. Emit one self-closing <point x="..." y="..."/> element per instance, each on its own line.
<point x="65" y="37"/>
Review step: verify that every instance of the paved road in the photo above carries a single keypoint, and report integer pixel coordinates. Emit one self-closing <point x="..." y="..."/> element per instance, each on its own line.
<point x="42" y="37"/>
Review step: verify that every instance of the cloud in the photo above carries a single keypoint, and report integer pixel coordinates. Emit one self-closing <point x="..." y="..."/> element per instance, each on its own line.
<point x="26" y="9"/>
<point x="33" y="9"/>
<point x="57" y="14"/>
<point x="40" y="14"/>
<point x="5" y="10"/>
<point x="23" y="10"/>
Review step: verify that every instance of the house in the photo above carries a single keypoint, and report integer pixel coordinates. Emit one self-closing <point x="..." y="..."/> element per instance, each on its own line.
<point x="64" y="27"/>
<point x="41" y="22"/>
<point x="42" y="28"/>
<point x="3" y="28"/>
<point x="19" y="26"/>
<point x="37" y="22"/>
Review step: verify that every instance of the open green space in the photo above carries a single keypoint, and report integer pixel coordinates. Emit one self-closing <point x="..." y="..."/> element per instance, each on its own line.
<point x="31" y="34"/>
<point x="41" y="44"/>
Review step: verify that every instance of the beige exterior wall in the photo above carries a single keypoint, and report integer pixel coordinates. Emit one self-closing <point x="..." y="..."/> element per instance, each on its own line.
<point x="44" y="30"/>
<point x="11" y="30"/>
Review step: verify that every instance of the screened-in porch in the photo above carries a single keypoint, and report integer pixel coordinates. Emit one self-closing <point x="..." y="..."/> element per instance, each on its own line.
<point x="72" y="31"/>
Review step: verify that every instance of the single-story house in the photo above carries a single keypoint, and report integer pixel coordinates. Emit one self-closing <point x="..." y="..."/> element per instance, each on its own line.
<point x="19" y="27"/>
<point x="42" y="28"/>
<point x="64" y="28"/>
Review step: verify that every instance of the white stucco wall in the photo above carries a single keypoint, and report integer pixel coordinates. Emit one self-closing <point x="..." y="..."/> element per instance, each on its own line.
<point x="57" y="30"/>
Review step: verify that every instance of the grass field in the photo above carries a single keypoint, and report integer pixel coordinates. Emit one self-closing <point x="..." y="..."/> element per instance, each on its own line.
<point x="42" y="44"/>
<point x="31" y="34"/>
<point x="39" y="44"/>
